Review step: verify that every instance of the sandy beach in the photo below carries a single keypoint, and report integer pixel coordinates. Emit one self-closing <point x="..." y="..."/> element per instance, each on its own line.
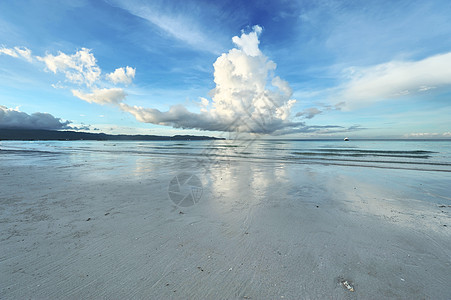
<point x="91" y="226"/>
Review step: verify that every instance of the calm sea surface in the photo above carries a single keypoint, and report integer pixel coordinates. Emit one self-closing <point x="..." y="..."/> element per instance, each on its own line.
<point x="393" y="154"/>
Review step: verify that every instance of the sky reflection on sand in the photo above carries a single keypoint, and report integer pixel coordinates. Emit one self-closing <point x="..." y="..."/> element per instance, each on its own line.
<point x="261" y="228"/>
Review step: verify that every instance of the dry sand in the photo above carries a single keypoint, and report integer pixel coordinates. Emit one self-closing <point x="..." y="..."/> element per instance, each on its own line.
<point x="80" y="227"/>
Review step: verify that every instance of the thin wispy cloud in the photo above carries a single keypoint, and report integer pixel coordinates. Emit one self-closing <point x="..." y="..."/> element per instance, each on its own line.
<point x="17" y="52"/>
<point x="178" y="25"/>
<point x="395" y="79"/>
<point x="309" y="113"/>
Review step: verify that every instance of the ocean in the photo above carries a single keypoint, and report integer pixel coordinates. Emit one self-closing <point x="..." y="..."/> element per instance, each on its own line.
<point x="418" y="155"/>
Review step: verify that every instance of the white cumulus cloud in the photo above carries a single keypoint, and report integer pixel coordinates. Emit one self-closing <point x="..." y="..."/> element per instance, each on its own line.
<point x="396" y="79"/>
<point x="122" y="75"/>
<point x="102" y="96"/>
<point x="249" y="42"/>
<point x="247" y="97"/>
<point x="79" y="68"/>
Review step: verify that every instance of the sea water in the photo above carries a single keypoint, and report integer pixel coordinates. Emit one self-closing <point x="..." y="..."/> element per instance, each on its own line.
<point x="417" y="155"/>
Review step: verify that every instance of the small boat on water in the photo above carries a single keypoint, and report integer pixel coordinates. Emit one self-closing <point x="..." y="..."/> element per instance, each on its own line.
<point x="346" y="139"/>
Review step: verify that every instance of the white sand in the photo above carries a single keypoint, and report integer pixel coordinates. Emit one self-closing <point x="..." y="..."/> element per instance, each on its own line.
<point x="261" y="230"/>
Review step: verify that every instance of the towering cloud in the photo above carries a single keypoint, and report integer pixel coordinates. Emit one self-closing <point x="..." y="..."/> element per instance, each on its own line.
<point x="247" y="96"/>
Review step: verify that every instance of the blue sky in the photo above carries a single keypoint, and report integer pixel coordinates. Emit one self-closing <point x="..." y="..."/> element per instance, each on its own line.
<point x="292" y="69"/>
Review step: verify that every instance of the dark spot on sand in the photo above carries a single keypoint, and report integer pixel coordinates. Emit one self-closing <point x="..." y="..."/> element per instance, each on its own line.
<point x="88" y="219"/>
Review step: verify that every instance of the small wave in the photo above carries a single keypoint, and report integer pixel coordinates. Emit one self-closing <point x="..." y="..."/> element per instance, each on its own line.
<point x="229" y="146"/>
<point x="372" y="161"/>
<point x="375" y="151"/>
<point x="362" y="154"/>
<point x="26" y="151"/>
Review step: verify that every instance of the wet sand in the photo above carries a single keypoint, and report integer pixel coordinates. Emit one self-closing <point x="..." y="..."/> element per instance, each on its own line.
<point x="91" y="226"/>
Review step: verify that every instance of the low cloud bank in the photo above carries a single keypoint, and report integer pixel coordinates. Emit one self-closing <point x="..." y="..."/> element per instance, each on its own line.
<point x="15" y="119"/>
<point x="427" y="135"/>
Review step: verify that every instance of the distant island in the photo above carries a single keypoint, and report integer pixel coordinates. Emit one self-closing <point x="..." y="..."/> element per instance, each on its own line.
<point x="54" y="135"/>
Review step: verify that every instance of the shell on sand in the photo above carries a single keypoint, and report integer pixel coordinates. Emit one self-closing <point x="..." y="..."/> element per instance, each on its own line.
<point x="348" y="285"/>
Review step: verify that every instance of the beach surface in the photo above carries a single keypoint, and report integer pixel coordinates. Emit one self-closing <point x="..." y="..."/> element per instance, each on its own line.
<point x="90" y="225"/>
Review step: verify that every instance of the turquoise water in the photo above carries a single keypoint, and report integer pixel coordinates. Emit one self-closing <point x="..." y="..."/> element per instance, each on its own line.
<point x="391" y="154"/>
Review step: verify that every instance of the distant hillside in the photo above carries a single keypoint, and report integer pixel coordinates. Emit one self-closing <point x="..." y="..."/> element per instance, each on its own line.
<point x="46" y="135"/>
